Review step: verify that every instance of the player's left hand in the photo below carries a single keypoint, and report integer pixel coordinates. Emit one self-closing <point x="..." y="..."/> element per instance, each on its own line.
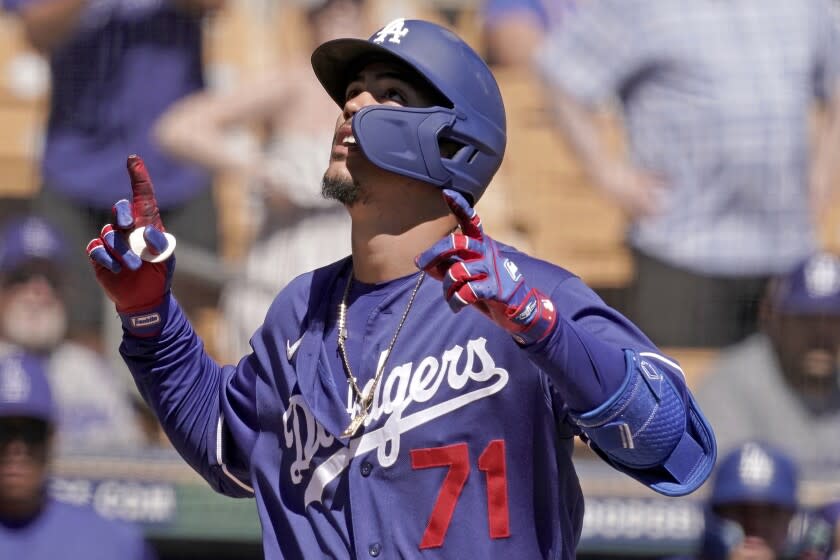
<point x="473" y="272"/>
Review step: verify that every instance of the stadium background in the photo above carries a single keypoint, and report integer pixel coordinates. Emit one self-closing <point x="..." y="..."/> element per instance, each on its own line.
<point x="574" y="226"/>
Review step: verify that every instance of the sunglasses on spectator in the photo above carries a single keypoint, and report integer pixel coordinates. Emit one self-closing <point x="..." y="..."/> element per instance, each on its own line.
<point x="30" y="431"/>
<point x="24" y="274"/>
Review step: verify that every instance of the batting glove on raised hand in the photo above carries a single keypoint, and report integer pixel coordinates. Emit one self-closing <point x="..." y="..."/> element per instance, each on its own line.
<point x="473" y="272"/>
<point x="136" y="285"/>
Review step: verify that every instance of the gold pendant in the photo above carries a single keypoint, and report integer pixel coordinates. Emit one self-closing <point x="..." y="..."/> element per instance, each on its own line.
<point x="354" y="425"/>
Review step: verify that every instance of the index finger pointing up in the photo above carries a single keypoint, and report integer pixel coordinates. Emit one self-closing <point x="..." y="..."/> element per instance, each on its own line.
<point x="465" y="214"/>
<point x="143" y="201"/>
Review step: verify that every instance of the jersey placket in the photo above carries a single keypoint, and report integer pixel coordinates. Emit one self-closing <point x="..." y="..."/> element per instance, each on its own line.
<point x="369" y="533"/>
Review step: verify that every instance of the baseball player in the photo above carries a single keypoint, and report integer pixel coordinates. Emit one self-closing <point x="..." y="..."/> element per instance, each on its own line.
<point x="420" y="397"/>
<point x="752" y="502"/>
<point x="33" y="524"/>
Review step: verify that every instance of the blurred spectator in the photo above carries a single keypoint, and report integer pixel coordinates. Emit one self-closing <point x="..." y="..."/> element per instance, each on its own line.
<point x="513" y="29"/>
<point x="820" y="532"/>
<point x="116" y="65"/>
<point x="830" y="515"/>
<point x="782" y="384"/>
<point x="297" y="229"/>
<point x="715" y="98"/>
<point x="33" y="526"/>
<point x="753" y="500"/>
<point x="94" y="408"/>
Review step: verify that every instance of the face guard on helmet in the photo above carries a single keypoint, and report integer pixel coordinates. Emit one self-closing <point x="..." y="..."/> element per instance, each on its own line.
<point x="407" y="140"/>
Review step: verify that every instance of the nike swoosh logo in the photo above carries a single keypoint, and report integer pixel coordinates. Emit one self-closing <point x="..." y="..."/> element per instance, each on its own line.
<point x="292" y="348"/>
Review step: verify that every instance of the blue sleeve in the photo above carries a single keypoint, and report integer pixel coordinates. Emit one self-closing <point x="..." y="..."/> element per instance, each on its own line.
<point x="96" y="14"/>
<point x="584" y="355"/>
<point x="208" y="411"/>
<point x="630" y="401"/>
<point x="15" y="5"/>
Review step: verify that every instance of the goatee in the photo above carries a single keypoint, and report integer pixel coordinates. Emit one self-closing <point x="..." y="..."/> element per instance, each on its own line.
<point x="342" y="189"/>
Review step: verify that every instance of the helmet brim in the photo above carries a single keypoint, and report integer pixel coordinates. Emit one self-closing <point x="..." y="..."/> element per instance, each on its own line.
<point x="334" y="61"/>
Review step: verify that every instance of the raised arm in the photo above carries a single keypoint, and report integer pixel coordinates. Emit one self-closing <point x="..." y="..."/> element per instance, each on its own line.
<point x="198" y="128"/>
<point x="630" y="401"/>
<point x="825" y="168"/>
<point x="208" y="411"/>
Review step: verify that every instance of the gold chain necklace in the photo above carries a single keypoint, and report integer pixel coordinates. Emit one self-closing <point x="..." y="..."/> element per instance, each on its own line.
<point x="365" y="401"/>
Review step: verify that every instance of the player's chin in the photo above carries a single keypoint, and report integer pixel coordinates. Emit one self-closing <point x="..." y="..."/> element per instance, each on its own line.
<point x="337" y="171"/>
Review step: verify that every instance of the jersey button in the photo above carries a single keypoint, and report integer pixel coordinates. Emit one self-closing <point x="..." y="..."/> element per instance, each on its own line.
<point x="375" y="549"/>
<point x="366" y="468"/>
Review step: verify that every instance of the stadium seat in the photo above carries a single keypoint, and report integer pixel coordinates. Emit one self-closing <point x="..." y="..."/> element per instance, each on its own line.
<point x="22" y="112"/>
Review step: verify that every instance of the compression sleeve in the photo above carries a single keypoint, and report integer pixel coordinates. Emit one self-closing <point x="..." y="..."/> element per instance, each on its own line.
<point x="208" y="411"/>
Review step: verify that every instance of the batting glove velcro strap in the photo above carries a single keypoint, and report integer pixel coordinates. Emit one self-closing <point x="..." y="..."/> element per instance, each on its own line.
<point x="536" y="317"/>
<point x="652" y="429"/>
<point x="147" y="322"/>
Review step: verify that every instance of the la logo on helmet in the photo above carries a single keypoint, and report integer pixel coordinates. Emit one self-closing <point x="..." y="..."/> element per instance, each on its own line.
<point x="396" y="29"/>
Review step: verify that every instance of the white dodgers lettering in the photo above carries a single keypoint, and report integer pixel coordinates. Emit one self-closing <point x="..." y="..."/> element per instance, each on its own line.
<point x="405" y="384"/>
<point x="298" y="416"/>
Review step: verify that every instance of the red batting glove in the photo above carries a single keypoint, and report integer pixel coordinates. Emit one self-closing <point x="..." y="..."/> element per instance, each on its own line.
<point x="473" y="272"/>
<point x="137" y="287"/>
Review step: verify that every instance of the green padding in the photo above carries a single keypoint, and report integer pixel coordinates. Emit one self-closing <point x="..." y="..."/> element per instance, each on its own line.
<point x="202" y="514"/>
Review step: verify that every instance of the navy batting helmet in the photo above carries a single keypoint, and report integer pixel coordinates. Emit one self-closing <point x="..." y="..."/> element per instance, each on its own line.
<point x="756" y="473"/>
<point x="406" y="140"/>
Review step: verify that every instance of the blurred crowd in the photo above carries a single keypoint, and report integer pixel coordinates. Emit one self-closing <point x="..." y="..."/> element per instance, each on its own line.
<point x="724" y="179"/>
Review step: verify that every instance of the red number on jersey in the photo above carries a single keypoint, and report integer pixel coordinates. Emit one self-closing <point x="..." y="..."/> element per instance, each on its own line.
<point x="456" y="457"/>
<point x="492" y="463"/>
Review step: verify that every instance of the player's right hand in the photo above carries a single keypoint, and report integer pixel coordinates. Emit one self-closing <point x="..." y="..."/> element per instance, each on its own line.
<point x="137" y="287"/>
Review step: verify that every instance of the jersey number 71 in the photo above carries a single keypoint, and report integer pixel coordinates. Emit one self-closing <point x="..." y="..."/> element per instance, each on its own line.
<point x="456" y="457"/>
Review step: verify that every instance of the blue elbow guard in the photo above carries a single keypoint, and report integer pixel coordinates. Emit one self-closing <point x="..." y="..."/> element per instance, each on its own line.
<point x="652" y="429"/>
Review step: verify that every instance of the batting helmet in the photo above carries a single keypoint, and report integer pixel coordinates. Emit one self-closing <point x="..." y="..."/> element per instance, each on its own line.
<point x="406" y="140"/>
<point x="755" y="473"/>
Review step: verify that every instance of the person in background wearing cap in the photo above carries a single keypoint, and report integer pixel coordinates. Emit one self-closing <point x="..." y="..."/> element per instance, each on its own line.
<point x="781" y="385"/>
<point x="115" y="66"/>
<point x="752" y="503"/>
<point x="95" y="409"/>
<point x="33" y="526"/>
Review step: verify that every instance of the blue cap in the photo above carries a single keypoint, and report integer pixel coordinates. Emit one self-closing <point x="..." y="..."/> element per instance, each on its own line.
<point x="24" y="389"/>
<point x="830" y="512"/>
<point x="812" y="288"/>
<point x="755" y="473"/>
<point x="28" y="239"/>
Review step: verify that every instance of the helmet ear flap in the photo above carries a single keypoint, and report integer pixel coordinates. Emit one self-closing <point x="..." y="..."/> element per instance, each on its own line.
<point x="450" y="148"/>
<point x="404" y="140"/>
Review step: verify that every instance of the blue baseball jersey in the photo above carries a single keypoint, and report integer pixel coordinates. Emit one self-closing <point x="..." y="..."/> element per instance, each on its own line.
<point x="65" y="531"/>
<point x="467" y="449"/>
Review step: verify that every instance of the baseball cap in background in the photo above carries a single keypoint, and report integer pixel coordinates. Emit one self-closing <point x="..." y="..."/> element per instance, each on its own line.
<point x="755" y="473"/>
<point x="24" y="389"/>
<point x="812" y="288"/>
<point x="28" y="239"/>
